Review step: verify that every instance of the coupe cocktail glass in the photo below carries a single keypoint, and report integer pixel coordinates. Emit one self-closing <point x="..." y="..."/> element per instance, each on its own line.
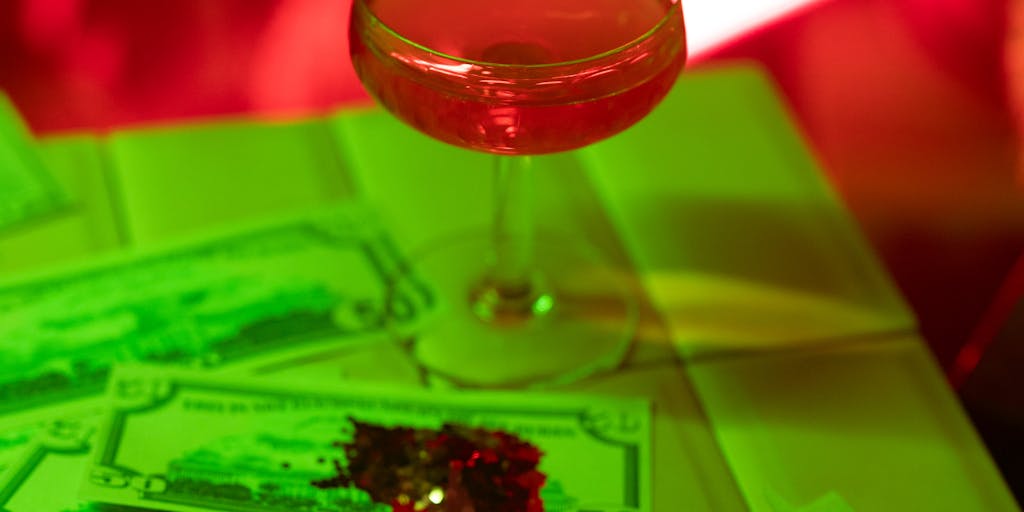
<point x="515" y="79"/>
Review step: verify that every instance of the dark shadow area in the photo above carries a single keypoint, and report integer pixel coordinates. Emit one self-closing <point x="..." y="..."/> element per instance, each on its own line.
<point x="994" y="397"/>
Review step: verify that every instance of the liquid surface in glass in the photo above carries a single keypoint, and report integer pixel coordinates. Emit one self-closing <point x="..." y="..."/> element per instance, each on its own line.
<point x="521" y="77"/>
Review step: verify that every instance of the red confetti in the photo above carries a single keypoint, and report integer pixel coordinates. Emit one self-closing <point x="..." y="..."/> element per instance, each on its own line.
<point x="454" y="469"/>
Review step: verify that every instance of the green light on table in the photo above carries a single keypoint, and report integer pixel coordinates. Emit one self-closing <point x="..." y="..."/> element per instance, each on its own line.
<point x="543" y="304"/>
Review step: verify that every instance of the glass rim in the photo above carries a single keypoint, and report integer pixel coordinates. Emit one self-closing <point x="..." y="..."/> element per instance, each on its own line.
<point x="483" y="63"/>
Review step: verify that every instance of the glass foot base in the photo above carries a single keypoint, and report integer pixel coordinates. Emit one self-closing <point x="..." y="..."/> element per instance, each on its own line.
<point x="580" y="316"/>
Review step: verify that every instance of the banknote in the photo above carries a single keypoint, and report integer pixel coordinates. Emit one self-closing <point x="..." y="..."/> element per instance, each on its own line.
<point x="190" y="442"/>
<point x="13" y="438"/>
<point x="44" y="475"/>
<point x="27" y="189"/>
<point x="255" y="295"/>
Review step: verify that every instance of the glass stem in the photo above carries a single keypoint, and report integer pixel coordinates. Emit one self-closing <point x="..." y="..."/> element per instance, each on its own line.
<point x="513" y="225"/>
<point x="510" y="292"/>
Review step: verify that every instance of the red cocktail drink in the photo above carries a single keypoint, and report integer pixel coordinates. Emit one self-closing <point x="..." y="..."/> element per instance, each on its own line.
<point x="523" y="77"/>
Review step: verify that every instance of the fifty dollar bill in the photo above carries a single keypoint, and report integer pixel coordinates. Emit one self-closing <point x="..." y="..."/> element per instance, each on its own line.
<point x="241" y="299"/>
<point x="187" y="442"/>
